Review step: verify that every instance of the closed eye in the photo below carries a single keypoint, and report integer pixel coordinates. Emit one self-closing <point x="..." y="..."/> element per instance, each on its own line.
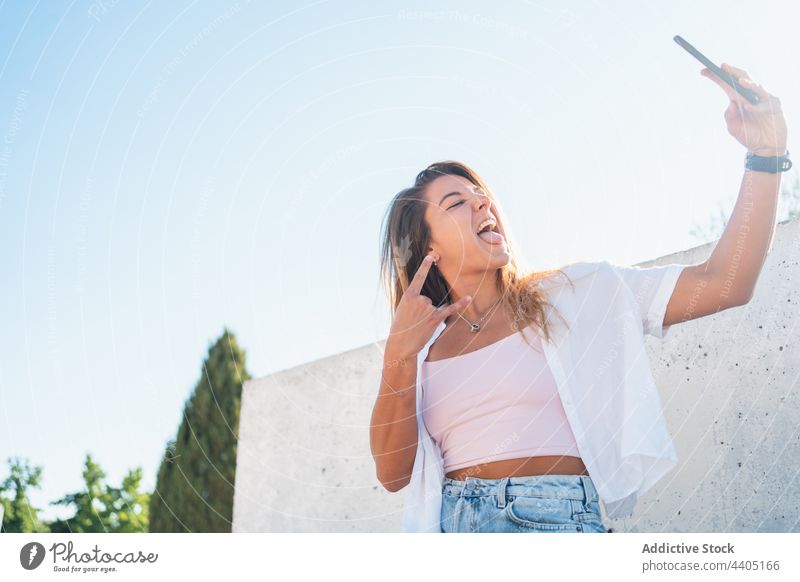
<point x="456" y="204"/>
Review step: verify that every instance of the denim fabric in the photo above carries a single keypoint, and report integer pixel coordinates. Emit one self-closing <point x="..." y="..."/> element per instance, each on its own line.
<point x="527" y="504"/>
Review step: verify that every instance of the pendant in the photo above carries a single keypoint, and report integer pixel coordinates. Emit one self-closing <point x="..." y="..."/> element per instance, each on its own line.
<point x="473" y="327"/>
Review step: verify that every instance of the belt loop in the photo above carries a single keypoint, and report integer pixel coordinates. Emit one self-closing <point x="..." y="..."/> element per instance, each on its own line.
<point x="589" y="492"/>
<point x="586" y="496"/>
<point x="501" y="492"/>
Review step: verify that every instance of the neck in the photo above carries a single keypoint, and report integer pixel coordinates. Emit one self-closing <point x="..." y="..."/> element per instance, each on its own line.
<point x="483" y="290"/>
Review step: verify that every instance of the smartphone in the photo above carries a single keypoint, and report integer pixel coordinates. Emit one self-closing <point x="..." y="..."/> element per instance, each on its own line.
<point x="748" y="94"/>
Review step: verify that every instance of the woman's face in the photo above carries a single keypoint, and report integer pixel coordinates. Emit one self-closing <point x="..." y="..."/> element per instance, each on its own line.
<point x="455" y="211"/>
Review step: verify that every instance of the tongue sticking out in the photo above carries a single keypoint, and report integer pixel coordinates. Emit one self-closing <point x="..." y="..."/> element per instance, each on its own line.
<point x="491" y="237"/>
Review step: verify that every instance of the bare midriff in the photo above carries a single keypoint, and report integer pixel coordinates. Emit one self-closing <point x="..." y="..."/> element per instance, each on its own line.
<point x="544" y="465"/>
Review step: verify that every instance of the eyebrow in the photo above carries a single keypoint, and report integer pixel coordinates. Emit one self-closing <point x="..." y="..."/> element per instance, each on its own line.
<point x="446" y="196"/>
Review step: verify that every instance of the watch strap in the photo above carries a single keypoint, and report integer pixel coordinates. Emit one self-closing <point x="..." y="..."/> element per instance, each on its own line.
<point x="772" y="164"/>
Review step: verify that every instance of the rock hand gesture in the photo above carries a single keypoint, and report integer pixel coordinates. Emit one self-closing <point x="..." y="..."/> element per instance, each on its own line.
<point x="416" y="318"/>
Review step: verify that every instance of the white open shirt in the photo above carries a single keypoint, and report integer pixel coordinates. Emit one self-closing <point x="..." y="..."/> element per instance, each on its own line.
<point x="604" y="379"/>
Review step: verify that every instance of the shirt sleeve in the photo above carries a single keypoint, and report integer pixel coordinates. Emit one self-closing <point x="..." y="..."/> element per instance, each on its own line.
<point x="652" y="288"/>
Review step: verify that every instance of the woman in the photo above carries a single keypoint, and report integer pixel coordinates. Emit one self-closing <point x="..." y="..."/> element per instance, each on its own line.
<point x="499" y="419"/>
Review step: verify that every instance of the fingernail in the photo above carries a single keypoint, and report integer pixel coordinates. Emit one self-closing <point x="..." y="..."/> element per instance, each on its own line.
<point x="468" y="298"/>
<point x="429" y="258"/>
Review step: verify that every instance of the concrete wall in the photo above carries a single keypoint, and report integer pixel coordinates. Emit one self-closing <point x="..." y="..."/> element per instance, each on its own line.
<point x="728" y="383"/>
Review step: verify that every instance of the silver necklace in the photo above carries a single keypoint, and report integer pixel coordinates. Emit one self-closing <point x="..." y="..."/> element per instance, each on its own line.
<point x="474" y="327"/>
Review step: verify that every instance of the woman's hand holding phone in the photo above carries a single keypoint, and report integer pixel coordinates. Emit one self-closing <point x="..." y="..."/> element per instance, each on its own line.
<point x="761" y="128"/>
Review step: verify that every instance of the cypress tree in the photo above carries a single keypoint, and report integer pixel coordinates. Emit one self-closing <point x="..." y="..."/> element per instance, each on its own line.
<point x="195" y="483"/>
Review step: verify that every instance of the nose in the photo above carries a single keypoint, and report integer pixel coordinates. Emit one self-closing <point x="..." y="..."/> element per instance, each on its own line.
<point x="482" y="199"/>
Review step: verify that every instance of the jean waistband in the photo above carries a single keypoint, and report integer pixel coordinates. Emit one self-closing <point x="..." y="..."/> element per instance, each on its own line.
<point x="555" y="486"/>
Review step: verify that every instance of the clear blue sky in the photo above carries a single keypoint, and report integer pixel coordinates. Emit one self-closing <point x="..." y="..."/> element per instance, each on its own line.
<point x="167" y="169"/>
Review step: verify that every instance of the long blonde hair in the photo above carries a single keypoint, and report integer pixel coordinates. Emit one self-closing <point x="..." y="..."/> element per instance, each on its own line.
<point x="406" y="236"/>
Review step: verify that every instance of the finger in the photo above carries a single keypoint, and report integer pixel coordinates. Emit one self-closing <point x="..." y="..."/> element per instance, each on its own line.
<point x="709" y="74"/>
<point x="745" y="81"/>
<point x="732" y="94"/>
<point x="446" y="312"/>
<point x="738" y="73"/>
<point x="758" y="89"/>
<point x="419" y="277"/>
<point x="733" y="113"/>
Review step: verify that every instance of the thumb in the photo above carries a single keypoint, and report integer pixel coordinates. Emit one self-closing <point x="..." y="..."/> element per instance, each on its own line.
<point x="759" y="90"/>
<point x="732" y="94"/>
<point x="454" y="307"/>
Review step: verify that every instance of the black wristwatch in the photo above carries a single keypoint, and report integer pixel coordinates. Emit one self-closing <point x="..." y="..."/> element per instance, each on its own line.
<point x="772" y="164"/>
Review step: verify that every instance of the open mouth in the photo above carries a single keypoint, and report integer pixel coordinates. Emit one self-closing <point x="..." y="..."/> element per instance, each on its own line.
<point x="489" y="233"/>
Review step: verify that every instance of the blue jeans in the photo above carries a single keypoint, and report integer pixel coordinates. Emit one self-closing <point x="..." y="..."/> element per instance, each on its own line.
<point x="527" y="504"/>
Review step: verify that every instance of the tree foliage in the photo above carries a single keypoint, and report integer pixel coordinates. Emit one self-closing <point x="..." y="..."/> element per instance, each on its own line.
<point x="99" y="507"/>
<point x="19" y="516"/>
<point x="195" y="483"/>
